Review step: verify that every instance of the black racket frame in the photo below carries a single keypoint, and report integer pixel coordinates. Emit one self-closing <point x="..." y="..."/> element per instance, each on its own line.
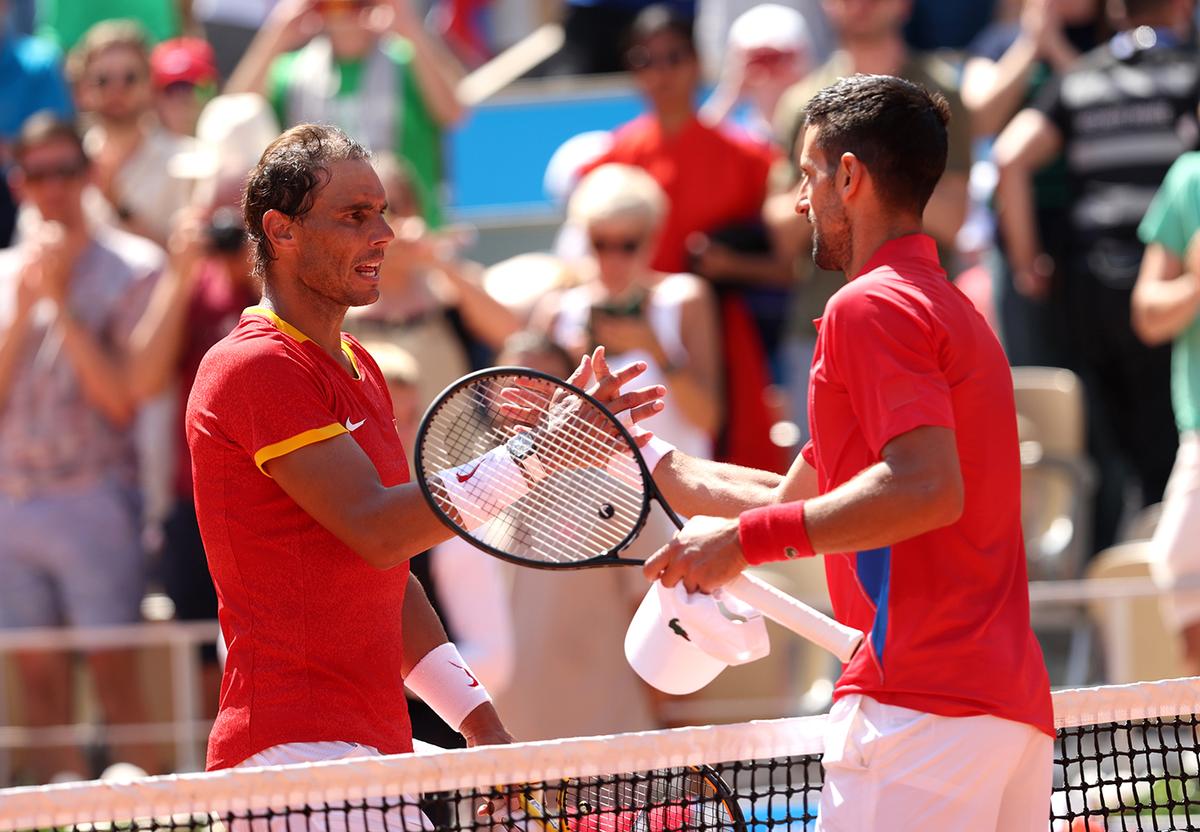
<point x="612" y="556"/>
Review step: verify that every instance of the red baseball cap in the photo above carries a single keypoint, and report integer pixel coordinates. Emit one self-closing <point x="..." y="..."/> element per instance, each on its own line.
<point x="189" y="60"/>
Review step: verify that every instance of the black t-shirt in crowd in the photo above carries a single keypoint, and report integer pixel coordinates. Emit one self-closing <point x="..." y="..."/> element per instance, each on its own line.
<point x="1125" y="115"/>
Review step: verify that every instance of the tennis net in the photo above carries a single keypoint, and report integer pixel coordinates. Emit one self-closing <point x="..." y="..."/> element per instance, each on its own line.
<point x="1126" y="758"/>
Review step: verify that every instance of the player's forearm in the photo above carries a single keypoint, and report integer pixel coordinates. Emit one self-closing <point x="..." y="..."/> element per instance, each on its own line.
<point x="695" y="486"/>
<point x="393" y="527"/>
<point x="423" y="630"/>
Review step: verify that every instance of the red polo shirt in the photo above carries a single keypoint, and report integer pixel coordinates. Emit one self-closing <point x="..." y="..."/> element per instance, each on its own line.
<point x="711" y="179"/>
<point x="314" y="637"/>
<point x="946" y="613"/>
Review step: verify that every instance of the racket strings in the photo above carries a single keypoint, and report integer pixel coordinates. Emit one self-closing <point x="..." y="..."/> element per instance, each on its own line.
<point x="476" y="445"/>
<point x="588" y="506"/>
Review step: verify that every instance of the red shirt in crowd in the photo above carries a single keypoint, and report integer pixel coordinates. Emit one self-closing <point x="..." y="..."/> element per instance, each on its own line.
<point x="946" y="613"/>
<point x="213" y="311"/>
<point x="711" y="179"/>
<point x="313" y="630"/>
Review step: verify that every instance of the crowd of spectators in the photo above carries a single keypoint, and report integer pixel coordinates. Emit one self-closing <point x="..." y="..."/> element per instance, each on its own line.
<point x="127" y="127"/>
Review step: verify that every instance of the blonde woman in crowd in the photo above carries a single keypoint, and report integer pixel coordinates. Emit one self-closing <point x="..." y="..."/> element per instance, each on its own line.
<point x="640" y="314"/>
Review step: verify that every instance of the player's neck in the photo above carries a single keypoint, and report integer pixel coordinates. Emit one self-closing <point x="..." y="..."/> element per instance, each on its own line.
<point x="317" y="317"/>
<point x="868" y="240"/>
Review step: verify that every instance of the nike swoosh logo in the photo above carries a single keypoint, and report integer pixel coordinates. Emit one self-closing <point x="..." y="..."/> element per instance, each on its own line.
<point x="474" y="681"/>
<point x="353" y="426"/>
<point x="467" y="476"/>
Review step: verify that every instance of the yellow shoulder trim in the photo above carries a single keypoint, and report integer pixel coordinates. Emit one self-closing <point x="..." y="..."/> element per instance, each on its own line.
<point x="349" y="351"/>
<point x="280" y="324"/>
<point x="300" y="440"/>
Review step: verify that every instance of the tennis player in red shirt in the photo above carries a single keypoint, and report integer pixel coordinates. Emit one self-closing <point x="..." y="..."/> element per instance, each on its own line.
<point x="301" y="488"/>
<point x="910" y="488"/>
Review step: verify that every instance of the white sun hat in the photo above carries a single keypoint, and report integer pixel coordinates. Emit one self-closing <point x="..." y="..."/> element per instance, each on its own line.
<point x="680" y="641"/>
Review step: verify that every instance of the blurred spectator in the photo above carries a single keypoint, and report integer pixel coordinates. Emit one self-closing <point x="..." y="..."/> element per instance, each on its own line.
<point x="230" y="26"/>
<point x="110" y="69"/>
<point x="205" y="287"/>
<point x="64" y="22"/>
<point x="430" y="302"/>
<point x="30" y="80"/>
<point x="599" y="31"/>
<point x="715" y="185"/>
<point x="715" y="20"/>
<point x="870" y="41"/>
<point x="947" y="24"/>
<point x="637" y="312"/>
<point x="1120" y="117"/>
<point x="769" y="51"/>
<point x="184" y="74"/>
<point x="70" y="553"/>
<point x="367" y="66"/>
<point x="1166" y="307"/>
<point x="711" y="180"/>
<point x="557" y="692"/>
<point x="19" y="17"/>
<point x="1009" y="64"/>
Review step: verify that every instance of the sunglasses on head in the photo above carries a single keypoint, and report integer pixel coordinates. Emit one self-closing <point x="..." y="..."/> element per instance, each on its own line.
<point x="619" y="245"/>
<point x="122" y="79"/>
<point x="64" y="172"/>
<point x="640" y="58"/>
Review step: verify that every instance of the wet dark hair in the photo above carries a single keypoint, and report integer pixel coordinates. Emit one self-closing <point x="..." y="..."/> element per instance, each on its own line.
<point x="287" y="178"/>
<point x="896" y="128"/>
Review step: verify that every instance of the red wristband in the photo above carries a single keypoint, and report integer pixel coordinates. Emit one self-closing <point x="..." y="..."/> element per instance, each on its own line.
<point x="774" y="533"/>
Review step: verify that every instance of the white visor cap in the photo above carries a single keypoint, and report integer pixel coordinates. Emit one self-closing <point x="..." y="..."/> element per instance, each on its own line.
<point x="680" y="641"/>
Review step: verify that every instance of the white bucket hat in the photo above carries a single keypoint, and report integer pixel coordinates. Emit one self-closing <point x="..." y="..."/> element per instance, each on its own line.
<point x="680" y="641"/>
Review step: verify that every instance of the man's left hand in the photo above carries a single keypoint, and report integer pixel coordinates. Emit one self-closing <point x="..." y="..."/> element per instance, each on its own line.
<point x="706" y="554"/>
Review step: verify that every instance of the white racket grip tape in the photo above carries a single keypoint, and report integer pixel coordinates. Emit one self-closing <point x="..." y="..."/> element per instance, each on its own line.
<point x="444" y="682"/>
<point x="796" y="616"/>
<point x="485" y="486"/>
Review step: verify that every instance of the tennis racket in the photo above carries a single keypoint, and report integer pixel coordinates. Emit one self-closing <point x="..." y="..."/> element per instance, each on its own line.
<point x="535" y="471"/>
<point x="664" y="800"/>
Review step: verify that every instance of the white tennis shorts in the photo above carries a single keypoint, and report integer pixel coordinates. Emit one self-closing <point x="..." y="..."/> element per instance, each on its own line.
<point x="908" y="771"/>
<point x="373" y="818"/>
<point x="1176" y="543"/>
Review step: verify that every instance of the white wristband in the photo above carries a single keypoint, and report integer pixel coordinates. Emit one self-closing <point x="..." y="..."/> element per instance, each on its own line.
<point x="443" y="681"/>
<point x="654" y="451"/>
<point x="485" y="486"/>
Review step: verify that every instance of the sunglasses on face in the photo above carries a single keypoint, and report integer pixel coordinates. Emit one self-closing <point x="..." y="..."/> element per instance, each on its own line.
<point x="64" y="172"/>
<point x="640" y="58"/>
<point x="117" y="79"/>
<point x="627" y="246"/>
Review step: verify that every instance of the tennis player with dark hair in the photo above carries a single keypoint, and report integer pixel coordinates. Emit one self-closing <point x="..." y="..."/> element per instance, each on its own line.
<point x="910" y="488"/>
<point x="301" y="487"/>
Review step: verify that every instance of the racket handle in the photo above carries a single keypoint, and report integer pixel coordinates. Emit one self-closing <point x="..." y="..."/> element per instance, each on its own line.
<point x="796" y="616"/>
